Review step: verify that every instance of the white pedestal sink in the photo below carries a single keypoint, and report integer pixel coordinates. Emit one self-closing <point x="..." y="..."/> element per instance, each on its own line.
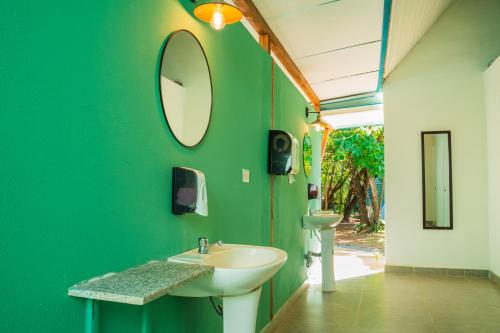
<point x="240" y="271"/>
<point x="325" y="222"/>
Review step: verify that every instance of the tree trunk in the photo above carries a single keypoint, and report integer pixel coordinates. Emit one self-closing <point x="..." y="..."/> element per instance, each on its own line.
<point x="328" y="186"/>
<point x="348" y="207"/>
<point x="361" y="183"/>
<point x="349" y="202"/>
<point x="375" y="201"/>
<point x="326" y="194"/>
<point x="334" y="189"/>
<point x="363" y="211"/>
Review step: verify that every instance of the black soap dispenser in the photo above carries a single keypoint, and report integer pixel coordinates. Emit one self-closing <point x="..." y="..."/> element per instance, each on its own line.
<point x="189" y="191"/>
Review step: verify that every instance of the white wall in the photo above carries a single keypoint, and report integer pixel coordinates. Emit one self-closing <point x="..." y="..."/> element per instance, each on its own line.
<point x="492" y="97"/>
<point x="439" y="86"/>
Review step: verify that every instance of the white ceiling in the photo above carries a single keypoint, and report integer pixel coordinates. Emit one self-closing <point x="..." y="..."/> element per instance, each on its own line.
<point x="347" y="86"/>
<point x="336" y="44"/>
<point x="410" y="20"/>
<point x="367" y="116"/>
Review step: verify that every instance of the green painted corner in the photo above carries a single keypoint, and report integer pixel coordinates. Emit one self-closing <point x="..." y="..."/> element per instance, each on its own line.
<point x="289" y="235"/>
<point x="87" y="158"/>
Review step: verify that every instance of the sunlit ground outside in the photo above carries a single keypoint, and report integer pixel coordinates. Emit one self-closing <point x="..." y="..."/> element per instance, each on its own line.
<point x="356" y="254"/>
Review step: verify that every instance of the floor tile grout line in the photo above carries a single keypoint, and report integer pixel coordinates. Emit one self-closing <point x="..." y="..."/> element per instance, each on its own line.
<point x="358" y="310"/>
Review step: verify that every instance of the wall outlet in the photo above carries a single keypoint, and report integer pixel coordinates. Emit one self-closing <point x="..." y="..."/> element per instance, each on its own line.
<point x="245" y="176"/>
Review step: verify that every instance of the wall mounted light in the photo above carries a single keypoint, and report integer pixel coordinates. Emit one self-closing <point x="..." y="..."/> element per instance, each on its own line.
<point x="217" y="13"/>
<point x="318" y="124"/>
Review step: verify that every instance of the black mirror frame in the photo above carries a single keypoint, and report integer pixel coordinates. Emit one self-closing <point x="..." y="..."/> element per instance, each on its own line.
<point x="162" y="52"/>
<point x="423" y="133"/>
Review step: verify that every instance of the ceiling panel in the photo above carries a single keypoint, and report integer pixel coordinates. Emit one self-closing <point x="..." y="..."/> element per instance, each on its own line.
<point x="274" y="8"/>
<point x="374" y="116"/>
<point x="336" y="44"/>
<point x="410" y="20"/>
<point x="333" y="40"/>
<point x="346" y="86"/>
<point x="326" y="27"/>
<point x="342" y="63"/>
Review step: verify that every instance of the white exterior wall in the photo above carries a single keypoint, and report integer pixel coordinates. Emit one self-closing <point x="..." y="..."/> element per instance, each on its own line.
<point x="439" y="86"/>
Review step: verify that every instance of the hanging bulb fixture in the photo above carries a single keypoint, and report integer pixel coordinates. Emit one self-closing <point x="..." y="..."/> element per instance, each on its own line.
<point x="218" y="14"/>
<point x="218" y="22"/>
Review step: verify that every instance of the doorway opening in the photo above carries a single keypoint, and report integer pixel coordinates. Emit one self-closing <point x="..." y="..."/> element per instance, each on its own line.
<point x="353" y="185"/>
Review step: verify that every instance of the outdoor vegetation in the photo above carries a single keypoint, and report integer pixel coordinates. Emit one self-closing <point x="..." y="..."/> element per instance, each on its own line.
<point x="353" y="175"/>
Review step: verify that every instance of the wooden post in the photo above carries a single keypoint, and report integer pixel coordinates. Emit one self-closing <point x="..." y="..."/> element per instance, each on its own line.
<point x="256" y="20"/>
<point x="265" y="43"/>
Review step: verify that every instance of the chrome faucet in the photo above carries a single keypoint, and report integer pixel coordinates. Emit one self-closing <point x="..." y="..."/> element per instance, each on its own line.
<point x="203" y="245"/>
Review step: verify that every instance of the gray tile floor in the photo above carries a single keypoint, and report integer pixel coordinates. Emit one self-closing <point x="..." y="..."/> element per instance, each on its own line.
<point x="398" y="303"/>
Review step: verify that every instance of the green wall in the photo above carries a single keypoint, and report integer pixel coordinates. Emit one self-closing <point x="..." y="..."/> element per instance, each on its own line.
<point x="290" y="199"/>
<point x="86" y="160"/>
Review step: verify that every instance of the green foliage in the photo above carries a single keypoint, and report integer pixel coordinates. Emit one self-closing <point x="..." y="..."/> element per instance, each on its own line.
<point x="363" y="147"/>
<point x="351" y="152"/>
<point x="374" y="227"/>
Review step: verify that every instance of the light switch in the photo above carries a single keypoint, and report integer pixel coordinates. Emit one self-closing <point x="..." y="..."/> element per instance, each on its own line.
<point x="245" y="176"/>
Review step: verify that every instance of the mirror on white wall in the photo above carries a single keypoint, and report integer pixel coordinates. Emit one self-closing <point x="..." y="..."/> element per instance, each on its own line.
<point x="185" y="88"/>
<point x="436" y="180"/>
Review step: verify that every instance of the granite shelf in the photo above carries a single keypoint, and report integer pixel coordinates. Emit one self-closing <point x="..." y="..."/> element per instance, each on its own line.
<point x="140" y="285"/>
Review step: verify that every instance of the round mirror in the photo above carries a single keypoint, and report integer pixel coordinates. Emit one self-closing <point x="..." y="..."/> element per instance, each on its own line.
<point x="185" y="88"/>
<point x="307" y="154"/>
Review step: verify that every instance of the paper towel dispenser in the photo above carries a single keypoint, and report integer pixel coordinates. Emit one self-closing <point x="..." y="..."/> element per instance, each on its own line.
<point x="189" y="191"/>
<point x="283" y="153"/>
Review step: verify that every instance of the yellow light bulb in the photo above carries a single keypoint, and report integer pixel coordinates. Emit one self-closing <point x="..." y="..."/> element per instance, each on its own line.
<point x="218" y="21"/>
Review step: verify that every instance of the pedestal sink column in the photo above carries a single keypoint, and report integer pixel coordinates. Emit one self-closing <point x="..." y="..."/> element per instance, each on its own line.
<point x="240" y="312"/>
<point x="327" y="272"/>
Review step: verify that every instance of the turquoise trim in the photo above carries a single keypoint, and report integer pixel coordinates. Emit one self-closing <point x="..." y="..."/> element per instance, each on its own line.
<point x="386" y="20"/>
<point x="349" y="107"/>
<point x="385" y="36"/>
<point x="355" y="102"/>
<point x="343" y="99"/>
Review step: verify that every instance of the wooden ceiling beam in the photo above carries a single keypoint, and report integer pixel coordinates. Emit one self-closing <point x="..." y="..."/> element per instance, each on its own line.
<point x="264" y="43"/>
<point x="259" y="24"/>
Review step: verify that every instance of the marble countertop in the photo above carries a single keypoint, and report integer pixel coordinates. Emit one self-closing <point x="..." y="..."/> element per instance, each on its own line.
<point x="140" y="285"/>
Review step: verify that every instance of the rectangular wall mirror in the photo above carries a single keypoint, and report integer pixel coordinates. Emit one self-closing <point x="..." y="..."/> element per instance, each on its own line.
<point x="436" y="180"/>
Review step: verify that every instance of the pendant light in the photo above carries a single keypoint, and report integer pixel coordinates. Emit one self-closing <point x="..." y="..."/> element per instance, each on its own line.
<point x="218" y="14"/>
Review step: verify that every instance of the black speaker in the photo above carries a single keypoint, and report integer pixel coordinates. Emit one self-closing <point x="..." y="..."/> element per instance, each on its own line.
<point x="280" y="152"/>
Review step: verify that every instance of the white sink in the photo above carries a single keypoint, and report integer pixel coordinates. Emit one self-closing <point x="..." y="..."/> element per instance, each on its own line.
<point x="240" y="271"/>
<point x="325" y="221"/>
<point x="321" y="220"/>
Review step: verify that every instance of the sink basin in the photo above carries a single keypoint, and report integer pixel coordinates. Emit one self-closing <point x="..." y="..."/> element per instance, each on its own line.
<point x="239" y="269"/>
<point x="321" y="220"/>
